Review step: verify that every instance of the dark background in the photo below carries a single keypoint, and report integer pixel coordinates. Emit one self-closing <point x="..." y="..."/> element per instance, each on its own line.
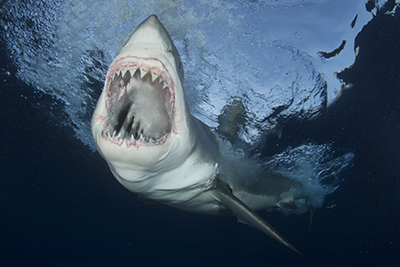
<point x="60" y="205"/>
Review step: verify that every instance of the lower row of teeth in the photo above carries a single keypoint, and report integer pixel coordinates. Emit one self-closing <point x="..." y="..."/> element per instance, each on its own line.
<point x="140" y="138"/>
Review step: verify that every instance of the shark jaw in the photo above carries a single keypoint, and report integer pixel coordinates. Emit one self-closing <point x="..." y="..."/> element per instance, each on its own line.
<point x="140" y="101"/>
<point x="141" y="123"/>
<point x="153" y="146"/>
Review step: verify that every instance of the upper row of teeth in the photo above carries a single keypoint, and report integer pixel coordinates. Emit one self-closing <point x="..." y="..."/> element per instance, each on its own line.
<point x="142" y="74"/>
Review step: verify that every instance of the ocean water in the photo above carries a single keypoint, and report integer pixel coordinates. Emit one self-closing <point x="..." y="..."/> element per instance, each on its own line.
<point x="332" y="119"/>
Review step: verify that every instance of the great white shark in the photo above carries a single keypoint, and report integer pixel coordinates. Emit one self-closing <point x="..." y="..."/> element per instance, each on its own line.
<point x="155" y="148"/>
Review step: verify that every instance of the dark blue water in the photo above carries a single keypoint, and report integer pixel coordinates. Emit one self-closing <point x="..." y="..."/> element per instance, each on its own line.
<point x="60" y="205"/>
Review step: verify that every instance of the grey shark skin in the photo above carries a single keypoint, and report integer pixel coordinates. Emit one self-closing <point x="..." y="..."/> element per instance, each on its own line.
<point x="156" y="149"/>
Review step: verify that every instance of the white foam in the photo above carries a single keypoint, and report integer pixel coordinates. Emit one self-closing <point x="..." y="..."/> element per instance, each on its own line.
<point x="314" y="166"/>
<point x="263" y="53"/>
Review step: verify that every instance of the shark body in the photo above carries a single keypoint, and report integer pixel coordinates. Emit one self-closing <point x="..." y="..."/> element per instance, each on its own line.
<point x="156" y="149"/>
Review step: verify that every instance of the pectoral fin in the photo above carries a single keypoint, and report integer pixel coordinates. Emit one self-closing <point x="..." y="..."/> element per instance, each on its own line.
<point x="246" y="215"/>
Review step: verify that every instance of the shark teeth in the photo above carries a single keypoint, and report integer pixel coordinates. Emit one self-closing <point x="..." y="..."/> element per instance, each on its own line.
<point x="123" y="73"/>
<point x="153" y="77"/>
<point x="130" y="139"/>
<point x="121" y="126"/>
<point x="142" y="73"/>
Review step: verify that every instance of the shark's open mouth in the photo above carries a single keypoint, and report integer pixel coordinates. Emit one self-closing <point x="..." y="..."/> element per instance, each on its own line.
<point x="140" y="99"/>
